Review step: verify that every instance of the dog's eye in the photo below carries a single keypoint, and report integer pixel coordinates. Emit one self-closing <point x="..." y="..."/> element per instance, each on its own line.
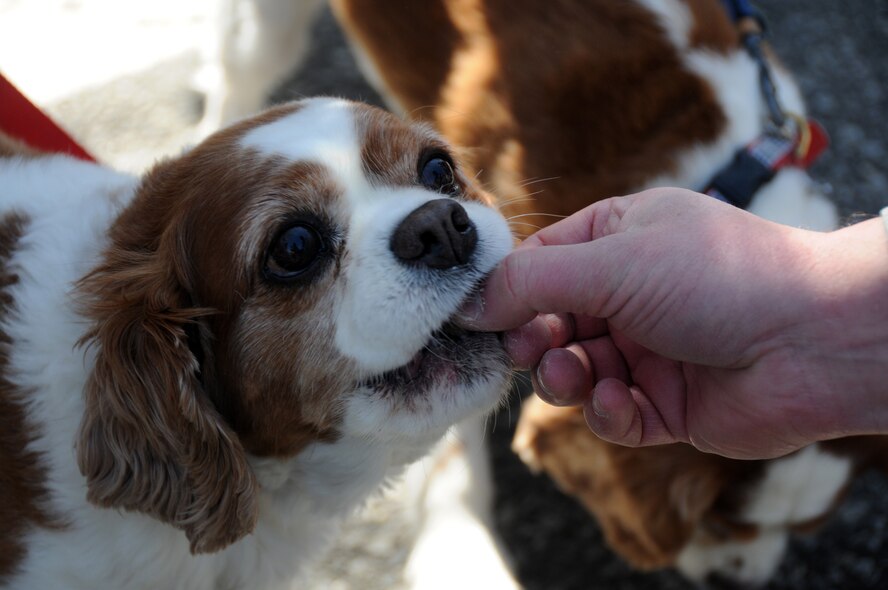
<point x="293" y="252"/>
<point x="436" y="173"/>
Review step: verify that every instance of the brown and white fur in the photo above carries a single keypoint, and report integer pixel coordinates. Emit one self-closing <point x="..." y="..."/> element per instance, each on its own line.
<point x="556" y="105"/>
<point x="717" y="520"/>
<point x="206" y="369"/>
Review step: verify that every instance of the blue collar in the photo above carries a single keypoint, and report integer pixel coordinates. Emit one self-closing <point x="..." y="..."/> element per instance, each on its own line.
<point x="739" y="9"/>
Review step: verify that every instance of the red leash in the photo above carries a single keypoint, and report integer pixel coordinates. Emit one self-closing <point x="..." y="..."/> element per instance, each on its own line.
<point x="19" y="118"/>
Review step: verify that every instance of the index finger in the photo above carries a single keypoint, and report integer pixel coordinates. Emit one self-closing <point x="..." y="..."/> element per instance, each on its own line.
<point x="595" y="221"/>
<point x="504" y="305"/>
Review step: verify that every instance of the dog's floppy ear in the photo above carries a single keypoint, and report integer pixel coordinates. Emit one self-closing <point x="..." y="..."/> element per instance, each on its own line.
<point x="150" y="439"/>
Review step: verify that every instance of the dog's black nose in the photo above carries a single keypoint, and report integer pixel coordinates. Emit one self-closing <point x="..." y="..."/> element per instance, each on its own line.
<point x="438" y="234"/>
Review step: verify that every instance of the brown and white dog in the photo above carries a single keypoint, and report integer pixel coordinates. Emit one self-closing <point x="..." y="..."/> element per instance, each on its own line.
<point x="558" y="104"/>
<point x="206" y="369"/>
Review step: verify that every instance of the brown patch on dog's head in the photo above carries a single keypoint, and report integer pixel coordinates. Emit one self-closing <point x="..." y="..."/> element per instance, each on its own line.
<point x="389" y="150"/>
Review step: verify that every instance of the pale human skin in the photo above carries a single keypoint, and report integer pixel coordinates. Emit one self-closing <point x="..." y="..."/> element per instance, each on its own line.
<point x="672" y="317"/>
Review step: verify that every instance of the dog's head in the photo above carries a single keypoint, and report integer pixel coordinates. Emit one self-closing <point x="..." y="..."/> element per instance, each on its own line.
<point x="721" y="522"/>
<point x="288" y="281"/>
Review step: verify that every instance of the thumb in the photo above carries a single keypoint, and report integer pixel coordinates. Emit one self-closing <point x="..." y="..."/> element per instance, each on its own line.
<point x="577" y="278"/>
<point x="560" y="268"/>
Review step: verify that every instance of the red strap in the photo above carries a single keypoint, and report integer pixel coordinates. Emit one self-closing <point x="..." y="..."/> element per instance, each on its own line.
<point x="755" y="164"/>
<point x="813" y="143"/>
<point x="20" y="119"/>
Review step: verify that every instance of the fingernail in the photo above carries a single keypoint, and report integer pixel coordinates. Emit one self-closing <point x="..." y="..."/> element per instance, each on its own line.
<point x="471" y="310"/>
<point x="597" y="408"/>
<point x="544" y="391"/>
<point x="546" y="394"/>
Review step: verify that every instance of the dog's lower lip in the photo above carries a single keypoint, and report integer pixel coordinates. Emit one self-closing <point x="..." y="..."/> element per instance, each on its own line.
<point x="414" y="367"/>
<point x="427" y="361"/>
<point x="440" y="359"/>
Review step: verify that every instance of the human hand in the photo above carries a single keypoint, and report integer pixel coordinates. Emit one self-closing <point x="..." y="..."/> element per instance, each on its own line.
<point x="672" y="317"/>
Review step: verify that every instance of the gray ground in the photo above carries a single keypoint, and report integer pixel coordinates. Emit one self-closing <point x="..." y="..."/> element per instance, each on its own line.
<point x="837" y="50"/>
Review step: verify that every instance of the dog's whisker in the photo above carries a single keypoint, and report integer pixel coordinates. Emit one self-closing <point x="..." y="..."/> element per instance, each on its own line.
<point x="435" y="354"/>
<point x="503" y="204"/>
<point x="521" y="198"/>
<point x="530" y="225"/>
<point x="534" y="193"/>
<point x="529" y="197"/>
<point x="531" y="181"/>
<point x="418" y="109"/>
<point x="519" y="216"/>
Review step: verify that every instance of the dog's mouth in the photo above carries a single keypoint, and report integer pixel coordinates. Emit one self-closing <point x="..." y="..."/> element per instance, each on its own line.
<point x="453" y="357"/>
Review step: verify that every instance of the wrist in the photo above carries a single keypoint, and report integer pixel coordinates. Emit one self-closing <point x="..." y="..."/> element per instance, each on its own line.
<point x="848" y="329"/>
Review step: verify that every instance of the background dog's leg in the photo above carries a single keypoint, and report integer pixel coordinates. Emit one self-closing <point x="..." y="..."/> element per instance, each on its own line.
<point x="258" y="43"/>
<point x="456" y="546"/>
